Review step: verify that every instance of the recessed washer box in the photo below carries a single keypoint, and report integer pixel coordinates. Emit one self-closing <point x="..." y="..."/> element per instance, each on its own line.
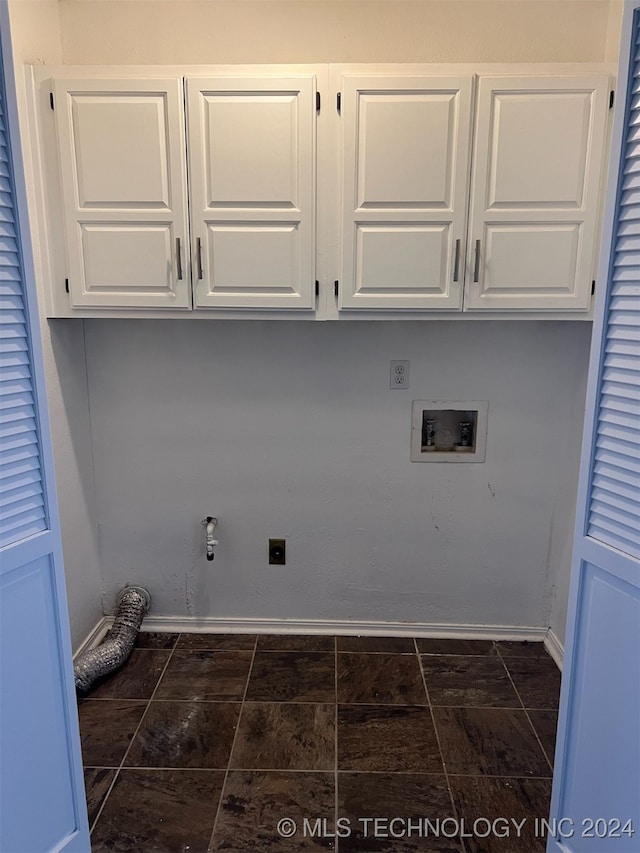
<point x="449" y="430"/>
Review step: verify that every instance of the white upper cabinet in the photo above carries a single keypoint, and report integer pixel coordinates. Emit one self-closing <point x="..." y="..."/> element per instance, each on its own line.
<point x="535" y="190"/>
<point x="405" y="183"/>
<point x="250" y="148"/>
<point x="251" y="144"/>
<point x="124" y="192"/>
<point x="232" y="191"/>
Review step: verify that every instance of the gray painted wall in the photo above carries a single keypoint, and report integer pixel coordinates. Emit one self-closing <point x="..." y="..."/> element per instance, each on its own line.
<point x="290" y="429"/>
<point x="193" y="418"/>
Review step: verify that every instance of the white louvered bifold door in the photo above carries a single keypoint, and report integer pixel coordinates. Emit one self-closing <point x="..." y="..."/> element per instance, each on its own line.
<point x="22" y="508"/>
<point x="42" y="802"/>
<point x="595" y="806"/>
<point x="614" y="508"/>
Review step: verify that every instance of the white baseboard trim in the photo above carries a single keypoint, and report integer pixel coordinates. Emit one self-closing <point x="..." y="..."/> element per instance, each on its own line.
<point x="95" y="636"/>
<point x="195" y="625"/>
<point x="215" y="624"/>
<point x="555" y="648"/>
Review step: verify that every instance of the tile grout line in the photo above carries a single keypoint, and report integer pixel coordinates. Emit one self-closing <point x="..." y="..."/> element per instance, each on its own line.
<point x="377" y="654"/>
<point x="233" y="743"/>
<point x="435" y="729"/>
<point x="294" y="772"/>
<point x="347" y="771"/>
<point x="526" y="711"/>
<point x="133" y="737"/>
<point x="499" y="776"/>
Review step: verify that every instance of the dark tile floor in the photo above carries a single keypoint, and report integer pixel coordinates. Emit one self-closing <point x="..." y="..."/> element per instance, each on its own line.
<point x="211" y="742"/>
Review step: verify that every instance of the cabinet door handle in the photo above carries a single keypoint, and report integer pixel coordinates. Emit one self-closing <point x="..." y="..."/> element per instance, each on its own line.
<point x="199" y="256"/>
<point x="179" y="258"/>
<point x="476" y="268"/>
<point x="456" y="262"/>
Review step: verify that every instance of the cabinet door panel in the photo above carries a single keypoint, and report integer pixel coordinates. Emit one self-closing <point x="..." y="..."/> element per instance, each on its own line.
<point x="120" y="151"/>
<point x="404" y="190"/>
<point x="529" y="169"/>
<point x="252" y="172"/>
<point x="405" y="155"/>
<point x="251" y="156"/>
<point x="121" y="148"/>
<point x="413" y="254"/>
<point x="519" y="257"/>
<point x="260" y="259"/>
<point x="114" y="255"/>
<point x="535" y="187"/>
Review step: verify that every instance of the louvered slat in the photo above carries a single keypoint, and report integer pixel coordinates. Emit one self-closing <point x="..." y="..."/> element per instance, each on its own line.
<point x="622" y="457"/>
<point x="615" y="475"/>
<point x="619" y="518"/>
<point x="603" y="497"/>
<point x="19" y="430"/>
<point x="613" y="487"/>
<point x="622" y="419"/>
<point x="624" y="361"/>
<point x="29" y="492"/>
<point x="18" y="454"/>
<point x="16" y="413"/>
<point x="619" y="389"/>
<point x="9" y="358"/>
<point x="613" y="515"/>
<point x="22" y="507"/>
<point x="16" y="385"/>
<point x="18" y="470"/>
<point x="15" y="373"/>
<point x="615" y="431"/>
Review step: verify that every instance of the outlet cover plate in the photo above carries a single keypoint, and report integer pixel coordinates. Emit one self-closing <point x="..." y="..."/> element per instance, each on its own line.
<point x="399" y="374"/>
<point x="277" y="552"/>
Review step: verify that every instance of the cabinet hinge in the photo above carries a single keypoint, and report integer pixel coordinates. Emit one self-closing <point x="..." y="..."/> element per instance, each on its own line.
<point x="66" y="284"/>
<point x="317" y="288"/>
<point x="335" y="287"/>
<point x="612" y="96"/>
<point x="593" y="287"/>
<point x="51" y="101"/>
<point x="339" y="102"/>
<point x="317" y="102"/>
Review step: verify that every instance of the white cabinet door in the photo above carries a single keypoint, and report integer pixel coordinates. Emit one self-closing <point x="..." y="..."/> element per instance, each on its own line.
<point x="535" y="192"/>
<point x="252" y="180"/>
<point x="405" y="179"/>
<point x="122" y="158"/>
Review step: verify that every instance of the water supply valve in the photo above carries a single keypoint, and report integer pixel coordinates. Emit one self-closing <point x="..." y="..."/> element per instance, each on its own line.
<point x="210" y="525"/>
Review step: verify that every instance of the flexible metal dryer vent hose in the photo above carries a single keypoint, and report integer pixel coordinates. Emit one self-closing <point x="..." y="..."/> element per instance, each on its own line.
<point x="113" y="651"/>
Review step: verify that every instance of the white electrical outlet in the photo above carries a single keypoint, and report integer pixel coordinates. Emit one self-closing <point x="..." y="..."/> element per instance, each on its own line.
<point x="399" y="374"/>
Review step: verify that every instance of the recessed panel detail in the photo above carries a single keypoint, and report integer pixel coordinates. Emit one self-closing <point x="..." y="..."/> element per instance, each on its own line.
<point x="530" y="169"/>
<point x="609" y="615"/>
<point x="406" y="150"/>
<point x="121" y="151"/>
<point x="251" y="150"/>
<point x="254" y="258"/>
<point x="127" y="258"/>
<point x="35" y="723"/>
<point x="535" y="258"/>
<point x="401" y="258"/>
